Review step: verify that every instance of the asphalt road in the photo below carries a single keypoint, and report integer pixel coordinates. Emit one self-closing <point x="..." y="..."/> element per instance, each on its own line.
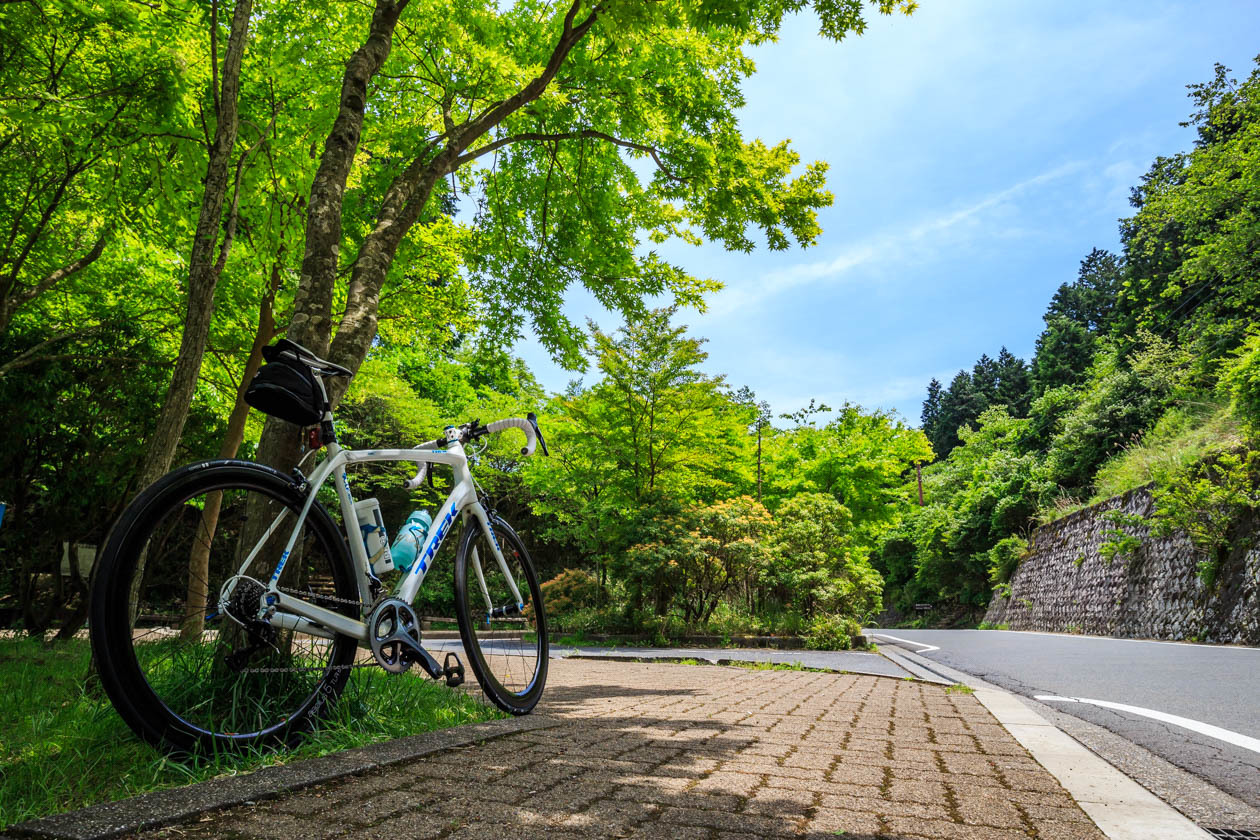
<point x="1209" y="685"/>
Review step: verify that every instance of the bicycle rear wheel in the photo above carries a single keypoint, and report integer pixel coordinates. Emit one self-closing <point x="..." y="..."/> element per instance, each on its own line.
<point x="190" y="670"/>
<point x="507" y="652"/>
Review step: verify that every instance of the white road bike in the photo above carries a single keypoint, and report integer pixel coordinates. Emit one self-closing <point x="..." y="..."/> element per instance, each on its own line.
<point x="229" y="606"/>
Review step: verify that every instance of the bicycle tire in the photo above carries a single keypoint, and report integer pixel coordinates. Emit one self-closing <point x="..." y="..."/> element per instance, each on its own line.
<point x="512" y="672"/>
<point x="185" y="693"/>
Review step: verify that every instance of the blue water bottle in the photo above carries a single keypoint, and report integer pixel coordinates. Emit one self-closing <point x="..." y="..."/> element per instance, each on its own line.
<point x="410" y="539"/>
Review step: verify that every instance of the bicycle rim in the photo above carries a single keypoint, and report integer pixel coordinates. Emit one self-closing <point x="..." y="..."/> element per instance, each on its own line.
<point x="193" y="667"/>
<point x="508" y="653"/>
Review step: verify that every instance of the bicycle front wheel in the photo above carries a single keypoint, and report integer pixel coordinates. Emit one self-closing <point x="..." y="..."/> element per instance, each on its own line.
<point x="191" y="664"/>
<point x="505" y="639"/>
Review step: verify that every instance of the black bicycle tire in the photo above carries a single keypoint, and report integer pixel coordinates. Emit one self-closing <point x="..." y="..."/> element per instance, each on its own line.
<point x="119" y="672"/>
<point x="514" y="704"/>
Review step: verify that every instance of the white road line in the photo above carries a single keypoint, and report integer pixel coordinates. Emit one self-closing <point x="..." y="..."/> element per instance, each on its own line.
<point x="1229" y="737"/>
<point x="1199" y="645"/>
<point x="926" y="648"/>
<point x="1114" y="639"/>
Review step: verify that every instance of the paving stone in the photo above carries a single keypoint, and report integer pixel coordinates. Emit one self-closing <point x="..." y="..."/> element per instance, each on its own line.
<point x="1067" y="812"/>
<point x="740" y="784"/>
<point x="829" y="822"/>
<point x="725" y="821"/>
<point x="993" y="810"/>
<point x="773" y="802"/>
<point x="853" y="773"/>
<point x="886" y="807"/>
<point x="415" y="824"/>
<point x="668" y="831"/>
<point x="371" y="810"/>
<point x="951" y="830"/>
<point x="1056" y="830"/>
<point x="916" y="791"/>
<point x="652" y="751"/>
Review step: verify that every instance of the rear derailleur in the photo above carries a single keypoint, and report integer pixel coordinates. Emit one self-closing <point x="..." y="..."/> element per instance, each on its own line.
<point x="244" y="606"/>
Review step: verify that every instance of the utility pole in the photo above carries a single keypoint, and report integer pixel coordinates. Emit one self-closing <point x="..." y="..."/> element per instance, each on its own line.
<point x="763" y="420"/>
<point x="758" y="466"/>
<point x="918" y="471"/>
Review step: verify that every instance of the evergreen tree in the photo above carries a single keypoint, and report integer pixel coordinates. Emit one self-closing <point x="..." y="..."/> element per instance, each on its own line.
<point x="1014" y="388"/>
<point x="1064" y="352"/>
<point x="984" y="380"/>
<point x="931" y="416"/>
<point x="961" y="404"/>
<point x="1091" y="300"/>
<point x="1078" y="314"/>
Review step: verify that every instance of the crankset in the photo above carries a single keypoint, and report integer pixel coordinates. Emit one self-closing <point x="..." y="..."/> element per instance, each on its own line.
<point x="394" y="634"/>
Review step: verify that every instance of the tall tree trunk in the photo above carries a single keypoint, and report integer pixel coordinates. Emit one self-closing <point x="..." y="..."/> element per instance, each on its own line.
<point x="311" y="324"/>
<point x="199" y="558"/>
<point x="401" y="206"/>
<point x="203" y="270"/>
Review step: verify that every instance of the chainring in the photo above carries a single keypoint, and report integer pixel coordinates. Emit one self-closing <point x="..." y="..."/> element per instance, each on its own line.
<point x="393" y="632"/>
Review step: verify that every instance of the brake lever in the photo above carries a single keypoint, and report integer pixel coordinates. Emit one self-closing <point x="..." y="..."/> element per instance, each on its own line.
<point x="533" y="421"/>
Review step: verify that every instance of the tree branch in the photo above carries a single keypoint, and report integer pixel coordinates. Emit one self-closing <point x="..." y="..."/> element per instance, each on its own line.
<point x="497" y="113"/>
<point x="588" y="133"/>
<point x="55" y="277"/>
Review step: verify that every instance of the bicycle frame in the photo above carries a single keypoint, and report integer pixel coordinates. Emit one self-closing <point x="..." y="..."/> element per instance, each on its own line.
<point x="293" y="613"/>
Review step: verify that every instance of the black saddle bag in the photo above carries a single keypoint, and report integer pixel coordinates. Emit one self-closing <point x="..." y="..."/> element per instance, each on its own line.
<point x="288" y="390"/>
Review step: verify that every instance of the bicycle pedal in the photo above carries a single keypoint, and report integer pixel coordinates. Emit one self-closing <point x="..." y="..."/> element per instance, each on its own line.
<point x="454" y="673"/>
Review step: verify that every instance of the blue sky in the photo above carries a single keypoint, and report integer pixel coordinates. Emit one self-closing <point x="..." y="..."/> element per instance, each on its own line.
<point x="978" y="151"/>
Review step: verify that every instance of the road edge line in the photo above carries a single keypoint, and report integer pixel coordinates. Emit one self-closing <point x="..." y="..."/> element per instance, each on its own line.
<point x="1120" y="807"/>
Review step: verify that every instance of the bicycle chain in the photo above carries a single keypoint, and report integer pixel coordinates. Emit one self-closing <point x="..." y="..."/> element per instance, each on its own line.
<point x="353" y="603"/>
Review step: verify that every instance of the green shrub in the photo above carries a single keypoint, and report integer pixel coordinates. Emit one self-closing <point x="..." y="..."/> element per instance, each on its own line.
<point x="585" y="620"/>
<point x="831" y="632"/>
<point x="570" y="591"/>
<point x="1120" y="542"/>
<point x="1240" y="380"/>
<point x="1122" y="399"/>
<point x="1206" y="502"/>
<point x="816" y="564"/>
<point x="726" y="620"/>
<point x="1185" y="435"/>
<point x="1004" y="558"/>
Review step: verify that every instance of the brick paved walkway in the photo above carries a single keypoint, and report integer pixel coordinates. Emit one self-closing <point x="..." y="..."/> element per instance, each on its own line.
<point x="676" y="751"/>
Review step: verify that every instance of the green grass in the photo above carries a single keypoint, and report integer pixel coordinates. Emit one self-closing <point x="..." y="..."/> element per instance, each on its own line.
<point x="1183" y="436"/>
<point x="747" y="666"/>
<point x="781" y="666"/>
<point x="62" y="747"/>
<point x="580" y="640"/>
<point x="959" y="688"/>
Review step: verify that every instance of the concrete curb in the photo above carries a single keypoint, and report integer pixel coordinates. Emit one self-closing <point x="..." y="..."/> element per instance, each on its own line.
<point x="726" y="660"/>
<point x="1120" y="807"/>
<point x="167" y="807"/>
<point x="914" y="668"/>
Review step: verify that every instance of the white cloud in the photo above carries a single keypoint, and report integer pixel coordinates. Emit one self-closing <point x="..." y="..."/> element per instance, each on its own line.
<point x="936" y="233"/>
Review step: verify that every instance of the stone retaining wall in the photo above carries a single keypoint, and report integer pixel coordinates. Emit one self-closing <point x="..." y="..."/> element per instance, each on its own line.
<point x="1065" y="585"/>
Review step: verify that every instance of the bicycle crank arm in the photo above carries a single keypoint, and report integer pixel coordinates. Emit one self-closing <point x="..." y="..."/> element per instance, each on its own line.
<point x="453" y="674"/>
